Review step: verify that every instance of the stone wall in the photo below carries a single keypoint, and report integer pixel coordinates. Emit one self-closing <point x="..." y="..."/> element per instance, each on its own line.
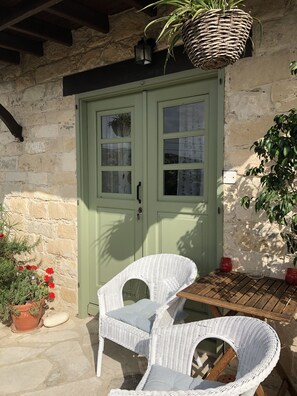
<point x="256" y="90"/>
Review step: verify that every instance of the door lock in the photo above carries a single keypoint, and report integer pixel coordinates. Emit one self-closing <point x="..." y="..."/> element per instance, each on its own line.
<point x="139" y="213"/>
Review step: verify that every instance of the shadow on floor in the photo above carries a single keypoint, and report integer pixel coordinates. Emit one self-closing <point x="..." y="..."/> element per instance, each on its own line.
<point x="132" y="366"/>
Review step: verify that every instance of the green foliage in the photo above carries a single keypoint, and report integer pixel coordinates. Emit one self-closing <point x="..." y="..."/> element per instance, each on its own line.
<point x="277" y="196"/>
<point x="293" y="67"/>
<point x="20" y="282"/>
<point x="182" y="11"/>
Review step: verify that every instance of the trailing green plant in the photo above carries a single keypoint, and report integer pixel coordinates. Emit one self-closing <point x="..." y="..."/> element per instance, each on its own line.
<point x="183" y="11"/>
<point x="277" y="194"/>
<point x="293" y="67"/>
<point x="21" y="281"/>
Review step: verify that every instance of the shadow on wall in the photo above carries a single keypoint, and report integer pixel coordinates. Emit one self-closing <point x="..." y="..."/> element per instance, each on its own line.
<point x="249" y="238"/>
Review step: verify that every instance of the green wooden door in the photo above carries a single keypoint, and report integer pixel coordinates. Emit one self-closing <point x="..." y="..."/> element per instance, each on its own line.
<point x="181" y="188"/>
<point x="152" y="178"/>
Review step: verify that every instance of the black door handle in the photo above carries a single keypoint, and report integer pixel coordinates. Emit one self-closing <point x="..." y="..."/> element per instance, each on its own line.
<point x="137" y="192"/>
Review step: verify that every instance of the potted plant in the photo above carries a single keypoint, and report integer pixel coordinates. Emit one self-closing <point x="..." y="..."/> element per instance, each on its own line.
<point x="121" y="124"/>
<point x="277" y="194"/>
<point x="214" y="32"/>
<point x="24" y="287"/>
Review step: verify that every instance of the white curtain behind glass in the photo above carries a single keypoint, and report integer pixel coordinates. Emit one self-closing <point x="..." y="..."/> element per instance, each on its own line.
<point x="191" y="117"/>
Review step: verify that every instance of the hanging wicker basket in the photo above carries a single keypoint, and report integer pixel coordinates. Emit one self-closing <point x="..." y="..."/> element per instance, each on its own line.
<point x="216" y="38"/>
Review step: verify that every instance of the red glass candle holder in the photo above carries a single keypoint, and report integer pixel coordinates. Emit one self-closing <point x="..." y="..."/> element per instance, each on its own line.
<point x="291" y="276"/>
<point x="226" y="264"/>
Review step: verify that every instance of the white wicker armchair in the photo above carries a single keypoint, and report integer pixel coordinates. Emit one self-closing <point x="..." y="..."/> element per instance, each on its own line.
<point x="255" y="342"/>
<point x="165" y="275"/>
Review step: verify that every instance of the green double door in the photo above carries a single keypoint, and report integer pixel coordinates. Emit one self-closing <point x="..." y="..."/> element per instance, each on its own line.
<point x="152" y="168"/>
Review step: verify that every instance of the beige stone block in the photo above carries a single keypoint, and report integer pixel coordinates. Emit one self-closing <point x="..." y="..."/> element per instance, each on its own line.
<point x="67" y="231"/>
<point x="259" y="9"/>
<point x="69" y="295"/>
<point x="67" y="281"/>
<point x="17" y="205"/>
<point x="6" y="87"/>
<point x="38" y="210"/>
<point x="45" y="230"/>
<point x="239" y="159"/>
<point x="68" y="161"/>
<point x="53" y="71"/>
<point x="50" y="131"/>
<point x="35" y="93"/>
<point x="35" y="147"/>
<point x="8" y="164"/>
<point x="241" y="133"/>
<point x="32" y="119"/>
<point x="61" y="247"/>
<point x="284" y="91"/>
<point x="123" y="24"/>
<point x="49" y="163"/>
<point x="62" y="178"/>
<point x="65" y="144"/>
<point x="55" y="51"/>
<point x="24" y="81"/>
<point x="67" y="191"/>
<point x="257" y="71"/>
<point x="61" y="116"/>
<point x="62" y="211"/>
<point x="16" y="176"/>
<point x="278" y="32"/>
<point x="247" y="105"/>
<point x="38" y="178"/>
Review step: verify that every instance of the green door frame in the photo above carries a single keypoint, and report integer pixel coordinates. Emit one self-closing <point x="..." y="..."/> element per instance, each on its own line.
<point x="82" y="165"/>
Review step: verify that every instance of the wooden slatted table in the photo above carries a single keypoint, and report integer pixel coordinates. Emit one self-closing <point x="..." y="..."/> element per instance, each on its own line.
<point x="236" y="292"/>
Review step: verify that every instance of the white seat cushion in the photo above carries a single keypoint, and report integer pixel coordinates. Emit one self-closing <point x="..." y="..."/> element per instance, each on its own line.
<point x="164" y="379"/>
<point x="140" y="315"/>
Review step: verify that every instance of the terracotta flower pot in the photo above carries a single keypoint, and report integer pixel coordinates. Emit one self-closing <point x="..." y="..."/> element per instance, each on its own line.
<point x="27" y="321"/>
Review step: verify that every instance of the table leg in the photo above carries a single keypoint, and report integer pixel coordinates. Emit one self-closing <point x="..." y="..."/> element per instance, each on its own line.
<point x="221" y="364"/>
<point x="286" y="382"/>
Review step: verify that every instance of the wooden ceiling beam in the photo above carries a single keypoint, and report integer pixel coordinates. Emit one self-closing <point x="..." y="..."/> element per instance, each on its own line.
<point x="20" y="44"/>
<point x="45" y="31"/>
<point x="25" y="10"/>
<point x="81" y="15"/>
<point x="9" y="56"/>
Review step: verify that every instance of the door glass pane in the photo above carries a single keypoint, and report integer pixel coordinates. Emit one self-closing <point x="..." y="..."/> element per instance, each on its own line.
<point x="184" y="150"/>
<point x="116" y="125"/>
<point x="114" y="154"/>
<point x="116" y="182"/>
<point x="183" y="182"/>
<point x="186" y="117"/>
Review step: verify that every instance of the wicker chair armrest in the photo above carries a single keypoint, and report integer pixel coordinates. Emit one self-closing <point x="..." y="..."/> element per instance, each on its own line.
<point x="109" y="299"/>
<point x="166" y="314"/>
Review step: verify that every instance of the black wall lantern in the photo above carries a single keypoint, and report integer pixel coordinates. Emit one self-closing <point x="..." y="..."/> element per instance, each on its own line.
<point x="144" y="51"/>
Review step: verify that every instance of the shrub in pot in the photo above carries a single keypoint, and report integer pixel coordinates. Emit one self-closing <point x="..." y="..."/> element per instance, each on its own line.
<point x="24" y="287"/>
<point x="277" y="194"/>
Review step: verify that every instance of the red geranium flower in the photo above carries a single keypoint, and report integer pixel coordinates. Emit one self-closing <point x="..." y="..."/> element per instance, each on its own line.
<point x="51" y="295"/>
<point x="28" y="267"/>
<point x="51" y="285"/>
<point x="33" y="267"/>
<point x="47" y="278"/>
<point x="21" y="267"/>
<point x="1" y="235"/>
<point x="49" y="271"/>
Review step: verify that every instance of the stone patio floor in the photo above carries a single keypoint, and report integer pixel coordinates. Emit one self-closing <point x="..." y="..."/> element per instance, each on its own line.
<point x="61" y="361"/>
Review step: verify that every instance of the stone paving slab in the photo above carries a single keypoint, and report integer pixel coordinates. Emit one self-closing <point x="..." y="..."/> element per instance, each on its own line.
<point x="61" y="361"/>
